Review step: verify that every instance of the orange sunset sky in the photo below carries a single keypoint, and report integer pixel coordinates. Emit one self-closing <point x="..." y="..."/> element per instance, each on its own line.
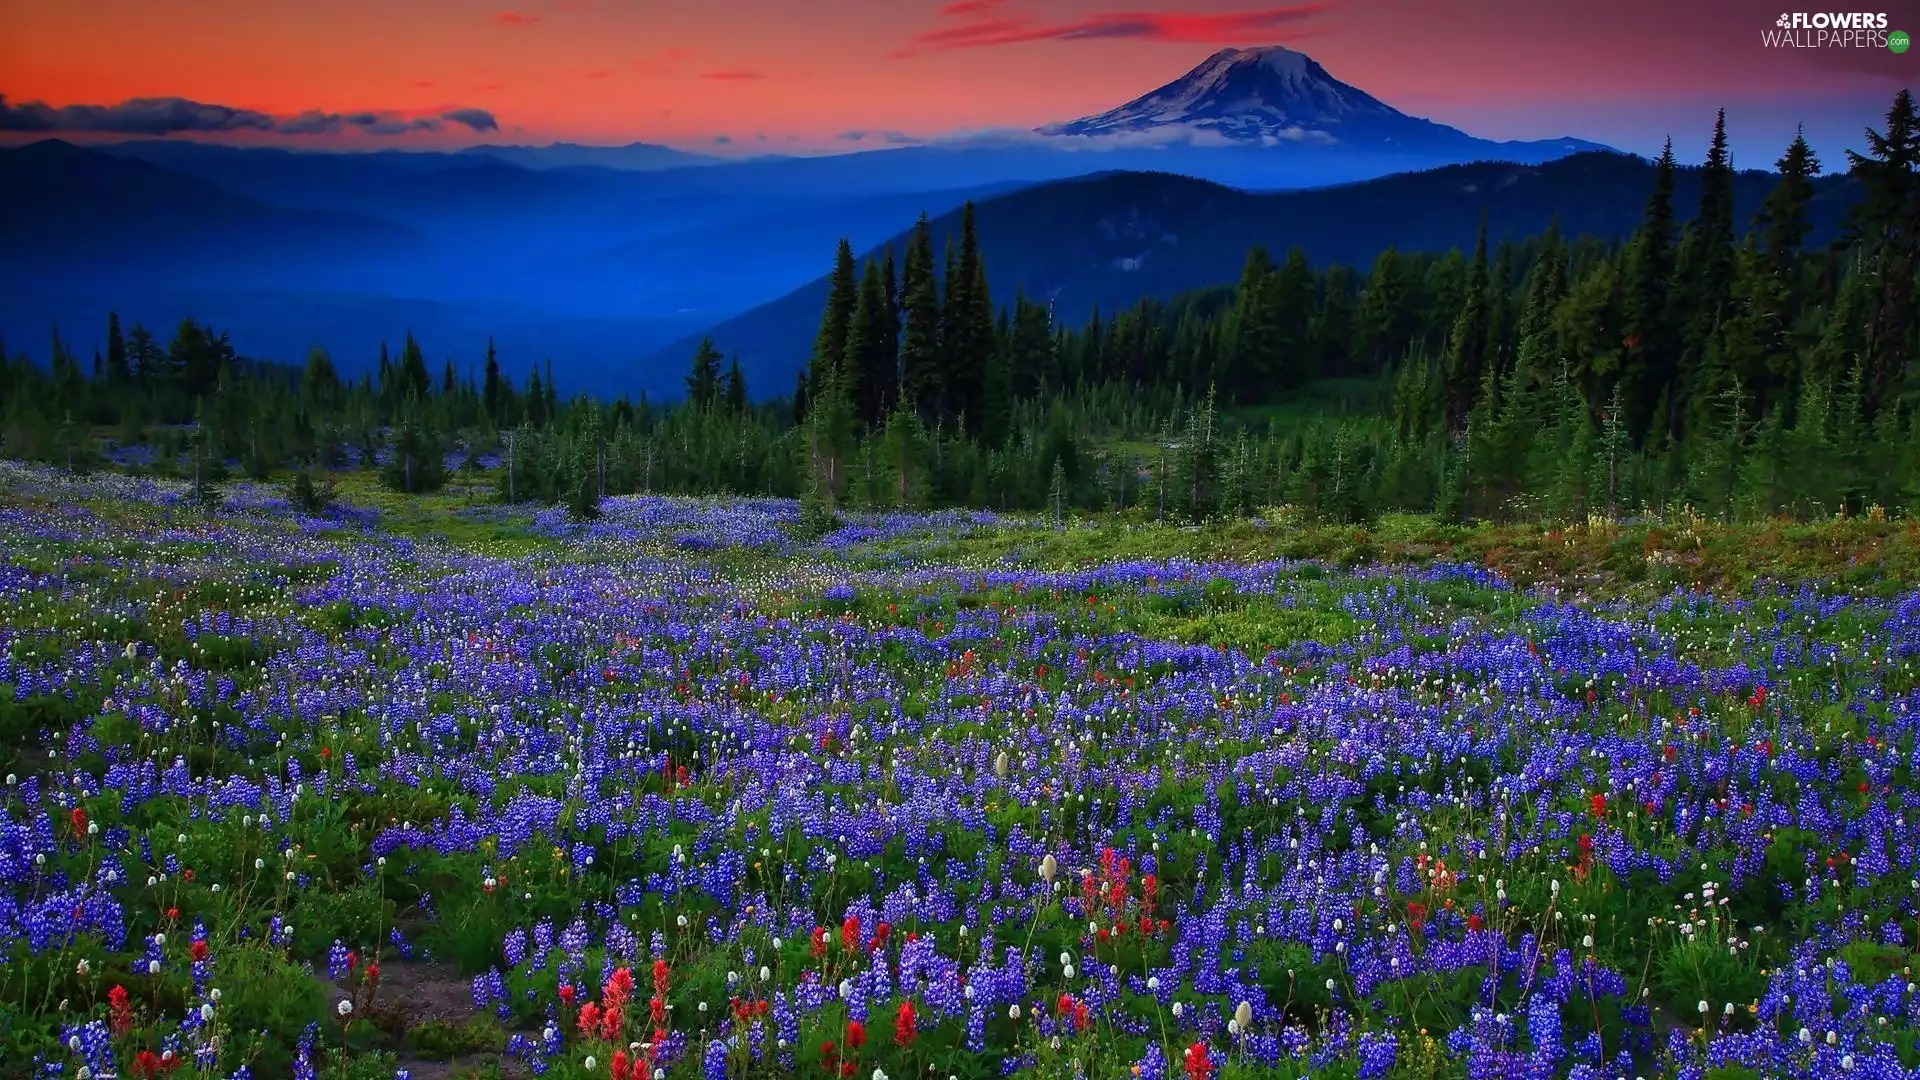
<point x="758" y="76"/>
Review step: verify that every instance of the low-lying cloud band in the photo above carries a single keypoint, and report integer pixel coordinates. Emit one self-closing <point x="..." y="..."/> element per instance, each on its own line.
<point x="175" y="115"/>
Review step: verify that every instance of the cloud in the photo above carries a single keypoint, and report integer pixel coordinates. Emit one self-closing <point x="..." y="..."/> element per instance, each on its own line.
<point x="135" y="116"/>
<point x="723" y="140"/>
<point x="315" y="122"/>
<point x="513" y="18"/>
<point x="732" y="76"/>
<point x="892" y="138"/>
<point x="477" y="119"/>
<point x="174" y="116"/>
<point x="1216" y="28"/>
<point x="1167" y="136"/>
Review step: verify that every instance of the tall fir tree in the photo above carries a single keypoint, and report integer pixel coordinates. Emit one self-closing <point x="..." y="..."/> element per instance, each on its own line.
<point x="890" y="329"/>
<point x="1257" y="341"/>
<point x="490" y="388"/>
<point x="703" y="379"/>
<point x="536" y="399"/>
<point x="830" y="342"/>
<point x="735" y="393"/>
<point x="1383" y="321"/>
<point x="1888" y="224"/>
<point x="1647" y="360"/>
<point x="920" y="329"/>
<point x="1704" y="273"/>
<point x="414" y="380"/>
<point x="869" y="369"/>
<point x="1466" y="365"/>
<point x="1783" y="218"/>
<point x="117" y="369"/>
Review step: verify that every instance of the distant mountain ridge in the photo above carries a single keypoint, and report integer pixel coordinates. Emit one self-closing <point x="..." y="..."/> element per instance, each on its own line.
<point x="67" y="209"/>
<point x="1110" y="240"/>
<point x="637" y="157"/>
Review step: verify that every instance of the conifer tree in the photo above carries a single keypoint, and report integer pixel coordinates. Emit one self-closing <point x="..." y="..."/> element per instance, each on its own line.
<point x="414" y="380"/>
<point x="117" y="370"/>
<point x="1783" y="219"/>
<point x="1888" y="223"/>
<point x="868" y="370"/>
<point x="145" y="355"/>
<point x="889" y="331"/>
<point x="1611" y="455"/>
<point x="967" y="338"/>
<point x="1717" y="461"/>
<point x="1253" y="354"/>
<point x="735" y="394"/>
<point x="320" y="383"/>
<point x="536" y="399"/>
<point x="583" y="488"/>
<point x="703" y="381"/>
<point x="830" y="342"/>
<point x="1704" y="268"/>
<point x="1382" y="321"/>
<point x="1292" y="302"/>
<point x="1647" y="347"/>
<point x="490" y="397"/>
<point x="1467" y="347"/>
<point x="920" y="330"/>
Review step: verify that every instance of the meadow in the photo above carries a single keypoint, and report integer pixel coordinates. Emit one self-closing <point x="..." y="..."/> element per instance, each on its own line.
<point x="422" y="787"/>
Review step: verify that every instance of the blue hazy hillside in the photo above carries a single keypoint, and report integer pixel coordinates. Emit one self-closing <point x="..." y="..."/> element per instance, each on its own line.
<point x="594" y="268"/>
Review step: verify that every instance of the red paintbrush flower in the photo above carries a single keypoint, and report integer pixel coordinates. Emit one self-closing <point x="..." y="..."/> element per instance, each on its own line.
<point x="1198" y="1064"/>
<point x="904" y="1029"/>
<point x="589" y="1019"/>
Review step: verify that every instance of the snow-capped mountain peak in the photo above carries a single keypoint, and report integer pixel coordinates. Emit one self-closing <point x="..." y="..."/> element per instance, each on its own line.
<point x="1269" y="95"/>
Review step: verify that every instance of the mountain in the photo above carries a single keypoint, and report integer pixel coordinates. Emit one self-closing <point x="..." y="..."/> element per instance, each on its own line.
<point x="1110" y="240"/>
<point x="65" y="209"/>
<point x="1278" y="98"/>
<point x="428" y="187"/>
<point x="1267" y="119"/>
<point x="638" y="157"/>
<point x="574" y="263"/>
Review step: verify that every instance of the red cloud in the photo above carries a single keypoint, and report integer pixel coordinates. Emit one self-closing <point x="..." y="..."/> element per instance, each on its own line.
<point x="970" y="7"/>
<point x="732" y="76"/>
<point x="1216" y="28"/>
<point x="514" y="18"/>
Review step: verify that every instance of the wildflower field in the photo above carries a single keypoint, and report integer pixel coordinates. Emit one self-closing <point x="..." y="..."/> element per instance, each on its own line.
<point x="470" y="791"/>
